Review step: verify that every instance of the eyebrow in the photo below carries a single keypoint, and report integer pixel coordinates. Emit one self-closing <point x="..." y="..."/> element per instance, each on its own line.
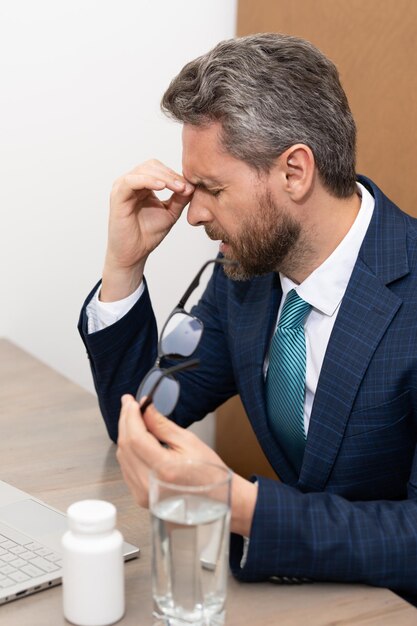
<point x="205" y="183"/>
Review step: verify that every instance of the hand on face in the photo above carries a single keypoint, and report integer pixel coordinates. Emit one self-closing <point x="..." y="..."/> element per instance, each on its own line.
<point x="139" y="447"/>
<point x="139" y="221"/>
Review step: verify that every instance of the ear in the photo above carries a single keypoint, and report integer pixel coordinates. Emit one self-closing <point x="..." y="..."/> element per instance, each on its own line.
<point x="297" y="166"/>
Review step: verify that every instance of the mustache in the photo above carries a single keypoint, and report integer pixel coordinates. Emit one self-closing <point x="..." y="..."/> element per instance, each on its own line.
<point x="215" y="235"/>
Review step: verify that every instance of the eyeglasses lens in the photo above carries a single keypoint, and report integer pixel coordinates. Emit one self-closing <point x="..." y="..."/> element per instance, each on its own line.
<point x="181" y="335"/>
<point x="166" y="395"/>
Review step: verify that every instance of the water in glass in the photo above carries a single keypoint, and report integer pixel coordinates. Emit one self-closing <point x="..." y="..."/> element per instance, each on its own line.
<point x="190" y="559"/>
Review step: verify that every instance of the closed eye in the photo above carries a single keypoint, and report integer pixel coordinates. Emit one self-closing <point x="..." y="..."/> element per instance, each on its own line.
<point x="213" y="191"/>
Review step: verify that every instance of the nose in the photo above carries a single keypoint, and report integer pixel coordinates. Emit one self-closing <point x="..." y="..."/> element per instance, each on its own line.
<point x="198" y="214"/>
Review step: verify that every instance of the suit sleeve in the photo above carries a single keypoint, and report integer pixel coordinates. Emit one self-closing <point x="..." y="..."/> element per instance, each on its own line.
<point x="324" y="537"/>
<point x="121" y="354"/>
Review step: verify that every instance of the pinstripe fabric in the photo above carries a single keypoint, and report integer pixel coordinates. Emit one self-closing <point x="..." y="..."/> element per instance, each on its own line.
<point x="351" y="514"/>
<point x="285" y="381"/>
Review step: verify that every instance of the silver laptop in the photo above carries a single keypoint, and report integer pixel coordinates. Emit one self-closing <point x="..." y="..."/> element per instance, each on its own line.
<point x="30" y="544"/>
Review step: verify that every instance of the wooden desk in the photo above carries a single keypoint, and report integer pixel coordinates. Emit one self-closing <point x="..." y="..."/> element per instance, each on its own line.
<point x="54" y="445"/>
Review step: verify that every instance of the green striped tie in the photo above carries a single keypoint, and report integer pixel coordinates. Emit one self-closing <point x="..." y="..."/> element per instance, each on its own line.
<point x="285" y="381"/>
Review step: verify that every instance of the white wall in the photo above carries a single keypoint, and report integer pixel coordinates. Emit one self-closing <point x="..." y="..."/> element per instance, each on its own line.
<point x="80" y="85"/>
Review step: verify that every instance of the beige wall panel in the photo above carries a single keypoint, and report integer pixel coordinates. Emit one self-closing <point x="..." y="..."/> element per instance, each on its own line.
<point x="236" y="442"/>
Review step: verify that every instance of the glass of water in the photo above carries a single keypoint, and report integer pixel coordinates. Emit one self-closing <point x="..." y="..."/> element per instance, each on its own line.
<point x="190" y="510"/>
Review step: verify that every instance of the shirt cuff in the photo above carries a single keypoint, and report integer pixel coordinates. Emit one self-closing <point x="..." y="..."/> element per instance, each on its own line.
<point x="103" y="314"/>
<point x="245" y="551"/>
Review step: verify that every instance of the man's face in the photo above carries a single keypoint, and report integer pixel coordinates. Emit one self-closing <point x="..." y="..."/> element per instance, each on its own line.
<point x="237" y="206"/>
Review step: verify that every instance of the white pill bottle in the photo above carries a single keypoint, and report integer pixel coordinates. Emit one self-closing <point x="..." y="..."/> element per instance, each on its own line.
<point x="93" y="575"/>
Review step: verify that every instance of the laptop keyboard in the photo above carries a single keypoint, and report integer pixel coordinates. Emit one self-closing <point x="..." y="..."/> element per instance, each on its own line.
<point x="21" y="562"/>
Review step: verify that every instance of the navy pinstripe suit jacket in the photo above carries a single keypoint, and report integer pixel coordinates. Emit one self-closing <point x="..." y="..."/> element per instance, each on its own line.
<point x="351" y="514"/>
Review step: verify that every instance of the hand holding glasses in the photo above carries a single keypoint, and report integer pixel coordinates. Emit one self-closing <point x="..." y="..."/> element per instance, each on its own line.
<point x="179" y="338"/>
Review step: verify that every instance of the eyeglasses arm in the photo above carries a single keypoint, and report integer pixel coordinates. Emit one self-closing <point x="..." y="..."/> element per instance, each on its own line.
<point x="187" y="365"/>
<point x="196" y="280"/>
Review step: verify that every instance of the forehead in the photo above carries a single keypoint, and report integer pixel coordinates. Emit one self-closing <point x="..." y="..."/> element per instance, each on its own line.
<point x="204" y="160"/>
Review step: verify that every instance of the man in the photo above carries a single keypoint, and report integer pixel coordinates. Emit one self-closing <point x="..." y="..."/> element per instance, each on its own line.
<point x="269" y="170"/>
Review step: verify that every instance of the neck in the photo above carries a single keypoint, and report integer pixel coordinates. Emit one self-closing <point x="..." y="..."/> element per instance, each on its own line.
<point x="323" y="229"/>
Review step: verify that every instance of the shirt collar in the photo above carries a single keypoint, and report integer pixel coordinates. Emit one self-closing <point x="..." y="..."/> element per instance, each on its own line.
<point x="325" y="287"/>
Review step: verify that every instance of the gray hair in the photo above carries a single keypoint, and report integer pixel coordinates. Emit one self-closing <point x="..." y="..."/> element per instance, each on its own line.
<point x="270" y="91"/>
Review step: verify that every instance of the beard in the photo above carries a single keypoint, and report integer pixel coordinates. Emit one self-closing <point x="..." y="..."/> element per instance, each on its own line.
<point x="266" y="243"/>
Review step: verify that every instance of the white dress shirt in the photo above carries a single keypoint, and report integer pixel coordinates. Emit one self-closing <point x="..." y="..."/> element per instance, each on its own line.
<point x="323" y="289"/>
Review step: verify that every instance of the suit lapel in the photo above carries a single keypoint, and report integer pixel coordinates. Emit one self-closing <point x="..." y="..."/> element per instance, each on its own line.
<point x="367" y="310"/>
<point x="365" y="313"/>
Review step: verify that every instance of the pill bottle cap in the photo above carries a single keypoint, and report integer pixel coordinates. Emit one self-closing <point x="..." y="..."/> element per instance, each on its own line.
<point x="91" y="516"/>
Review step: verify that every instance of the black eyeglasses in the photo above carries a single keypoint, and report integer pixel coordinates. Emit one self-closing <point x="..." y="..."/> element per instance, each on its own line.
<point x="179" y="338"/>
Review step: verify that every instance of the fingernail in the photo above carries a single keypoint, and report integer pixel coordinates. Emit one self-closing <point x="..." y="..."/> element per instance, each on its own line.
<point x="178" y="183"/>
<point x="126" y="398"/>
